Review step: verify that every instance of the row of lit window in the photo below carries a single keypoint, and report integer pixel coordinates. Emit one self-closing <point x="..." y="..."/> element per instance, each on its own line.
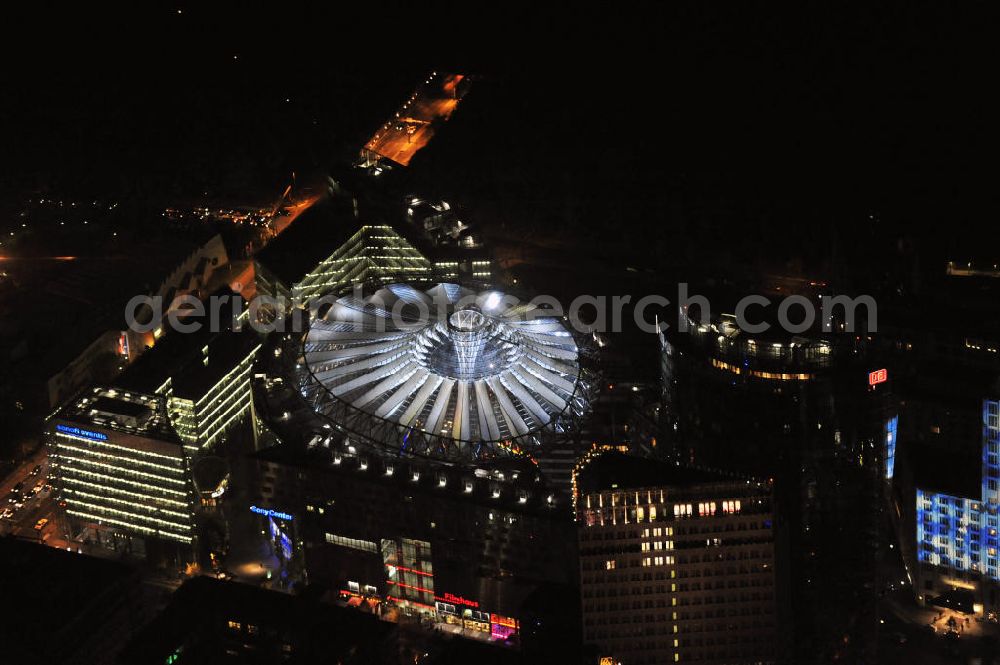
<point x="353" y="543"/>
<point x="127" y="525"/>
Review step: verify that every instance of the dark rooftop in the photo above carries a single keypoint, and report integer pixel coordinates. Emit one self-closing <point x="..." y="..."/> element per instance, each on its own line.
<point x="960" y="477"/>
<point x="196" y="624"/>
<point x="60" y="589"/>
<point x="614" y="470"/>
<point x="119" y="407"/>
<point x="312" y="237"/>
<point x="180" y="357"/>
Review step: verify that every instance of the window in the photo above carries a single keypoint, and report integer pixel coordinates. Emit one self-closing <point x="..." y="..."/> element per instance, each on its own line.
<point x="353" y="543"/>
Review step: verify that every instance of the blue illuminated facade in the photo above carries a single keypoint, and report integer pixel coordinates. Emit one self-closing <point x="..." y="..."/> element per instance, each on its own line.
<point x="891" y="426"/>
<point x="960" y="533"/>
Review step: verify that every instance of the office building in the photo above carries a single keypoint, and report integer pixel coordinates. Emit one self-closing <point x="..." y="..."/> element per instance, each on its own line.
<point x="328" y="249"/>
<point x="204" y="376"/>
<point x="812" y="411"/>
<point x="123" y="472"/>
<point x="956" y="534"/>
<point x="677" y="564"/>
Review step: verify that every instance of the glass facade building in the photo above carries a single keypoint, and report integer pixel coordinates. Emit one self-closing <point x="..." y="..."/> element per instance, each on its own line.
<point x="120" y="467"/>
<point x="957" y="536"/>
<point x="374" y="253"/>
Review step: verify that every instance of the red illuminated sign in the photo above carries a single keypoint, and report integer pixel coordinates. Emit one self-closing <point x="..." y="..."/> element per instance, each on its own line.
<point x="457" y="600"/>
<point x="503" y="621"/>
<point x="878" y="376"/>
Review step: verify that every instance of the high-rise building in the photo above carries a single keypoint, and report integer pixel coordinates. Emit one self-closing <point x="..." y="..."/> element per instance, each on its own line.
<point x="956" y="535"/>
<point x="340" y="242"/>
<point x="676" y="563"/>
<point x="813" y="412"/>
<point x="205" y="376"/>
<point x="328" y="249"/>
<point x="122" y="471"/>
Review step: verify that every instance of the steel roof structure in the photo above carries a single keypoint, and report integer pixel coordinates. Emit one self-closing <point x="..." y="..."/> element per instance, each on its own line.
<point x="445" y="372"/>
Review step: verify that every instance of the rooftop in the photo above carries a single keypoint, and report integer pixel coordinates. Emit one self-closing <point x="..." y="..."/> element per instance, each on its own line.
<point x="457" y="368"/>
<point x="314" y="236"/>
<point x="960" y="477"/>
<point x="200" y="611"/>
<point x="181" y="357"/>
<point x="121" y="410"/>
<point x="66" y="588"/>
<point x="613" y="470"/>
<point x="512" y="484"/>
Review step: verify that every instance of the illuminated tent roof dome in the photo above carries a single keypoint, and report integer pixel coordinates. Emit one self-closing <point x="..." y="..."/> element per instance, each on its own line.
<point x="459" y="368"/>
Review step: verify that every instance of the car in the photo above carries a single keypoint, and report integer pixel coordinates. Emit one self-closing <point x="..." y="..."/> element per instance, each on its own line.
<point x="40" y="524"/>
<point x="18" y="488"/>
<point x="7" y="513"/>
<point x="30" y="494"/>
<point x="36" y="470"/>
<point x="39" y="486"/>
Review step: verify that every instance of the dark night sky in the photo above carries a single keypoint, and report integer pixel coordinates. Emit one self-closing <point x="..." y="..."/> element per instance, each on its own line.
<point x="755" y="120"/>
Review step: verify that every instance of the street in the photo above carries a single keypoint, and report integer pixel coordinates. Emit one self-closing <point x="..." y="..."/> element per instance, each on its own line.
<point x="40" y="505"/>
